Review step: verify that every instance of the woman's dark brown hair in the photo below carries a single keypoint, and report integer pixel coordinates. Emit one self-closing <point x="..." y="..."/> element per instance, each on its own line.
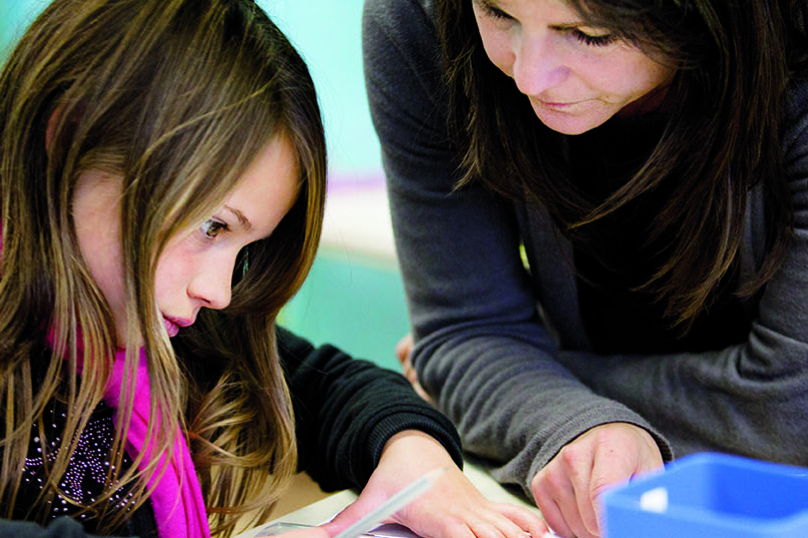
<point x="734" y="62"/>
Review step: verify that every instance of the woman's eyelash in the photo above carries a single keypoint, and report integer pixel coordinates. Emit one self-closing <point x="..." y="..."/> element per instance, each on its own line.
<point x="594" y="40"/>
<point x="590" y="40"/>
<point x="494" y="12"/>
<point x="213" y="227"/>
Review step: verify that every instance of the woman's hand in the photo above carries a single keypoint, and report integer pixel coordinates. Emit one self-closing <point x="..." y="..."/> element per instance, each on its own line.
<point x="404" y="353"/>
<point x="451" y="508"/>
<point x="567" y="489"/>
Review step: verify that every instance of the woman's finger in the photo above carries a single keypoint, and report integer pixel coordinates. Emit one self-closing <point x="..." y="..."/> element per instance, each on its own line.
<point x="577" y="460"/>
<point x="555" y="520"/>
<point x="547" y="496"/>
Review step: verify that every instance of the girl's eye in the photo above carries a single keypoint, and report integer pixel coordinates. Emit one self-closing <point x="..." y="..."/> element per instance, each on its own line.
<point x="594" y="40"/>
<point x="213" y="227"/>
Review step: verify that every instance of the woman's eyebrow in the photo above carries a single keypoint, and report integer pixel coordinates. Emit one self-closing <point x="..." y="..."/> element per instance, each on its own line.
<point x="568" y="26"/>
<point x="245" y="222"/>
<point x="492" y="4"/>
<point x="560" y="27"/>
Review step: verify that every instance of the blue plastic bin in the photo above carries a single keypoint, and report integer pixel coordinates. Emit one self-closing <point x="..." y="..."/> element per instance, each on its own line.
<point x="711" y="495"/>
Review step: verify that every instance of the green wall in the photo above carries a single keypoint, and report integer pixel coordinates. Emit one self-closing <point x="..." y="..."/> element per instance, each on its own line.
<point x="327" y="33"/>
<point x="15" y="15"/>
<point x="354" y="303"/>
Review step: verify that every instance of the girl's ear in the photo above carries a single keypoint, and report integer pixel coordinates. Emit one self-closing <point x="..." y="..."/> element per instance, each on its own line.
<point x="53" y="121"/>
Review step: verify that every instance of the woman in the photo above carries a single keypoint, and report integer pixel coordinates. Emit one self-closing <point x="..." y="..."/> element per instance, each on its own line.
<point x="600" y="211"/>
<point x="162" y="176"/>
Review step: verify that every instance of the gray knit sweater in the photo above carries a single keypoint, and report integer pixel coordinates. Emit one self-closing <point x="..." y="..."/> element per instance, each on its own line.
<point x="517" y="390"/>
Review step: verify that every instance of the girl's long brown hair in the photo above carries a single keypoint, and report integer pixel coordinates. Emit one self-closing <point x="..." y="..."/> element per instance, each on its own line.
<point x="177" y="97"/>
<point x="734" y="63"/>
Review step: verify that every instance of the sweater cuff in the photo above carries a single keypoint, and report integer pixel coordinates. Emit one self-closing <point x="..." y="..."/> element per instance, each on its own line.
<point x="433" y="424"/>
<point x="581" y="425"/>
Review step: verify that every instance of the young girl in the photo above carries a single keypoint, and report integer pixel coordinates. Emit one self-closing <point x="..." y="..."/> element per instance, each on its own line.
<point x="600" y="210"/>
<point x="162" y="176"/>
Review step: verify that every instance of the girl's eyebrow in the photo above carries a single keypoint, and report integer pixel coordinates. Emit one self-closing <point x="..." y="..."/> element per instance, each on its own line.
<point x="245" y="222"/>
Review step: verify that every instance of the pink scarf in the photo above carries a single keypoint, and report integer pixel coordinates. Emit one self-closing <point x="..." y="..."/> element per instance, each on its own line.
<point x="179" y="508"/>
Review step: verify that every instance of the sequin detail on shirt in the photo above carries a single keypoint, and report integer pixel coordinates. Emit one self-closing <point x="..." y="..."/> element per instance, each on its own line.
<point x="87" y="470"/>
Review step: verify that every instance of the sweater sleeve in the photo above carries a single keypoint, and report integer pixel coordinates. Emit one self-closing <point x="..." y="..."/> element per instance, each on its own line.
<point x="63" y="527"/>
<point x="750" y="398"/>
<point x="481" y="349"/>
<point x="346" y="409"/>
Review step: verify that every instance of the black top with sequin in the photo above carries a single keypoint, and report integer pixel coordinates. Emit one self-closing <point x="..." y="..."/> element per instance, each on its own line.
<point x="345" y="411"/>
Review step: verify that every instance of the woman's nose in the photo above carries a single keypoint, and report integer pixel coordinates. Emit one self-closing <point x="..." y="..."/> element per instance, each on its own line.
<point x="212" y="285"/>
<point x="537" y="66"/>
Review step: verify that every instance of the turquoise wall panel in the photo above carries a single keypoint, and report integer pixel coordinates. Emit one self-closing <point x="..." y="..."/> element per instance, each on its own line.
<point x="15" y="15"/>
<point x="353" y="303"/>
<point x="328" y="34"/>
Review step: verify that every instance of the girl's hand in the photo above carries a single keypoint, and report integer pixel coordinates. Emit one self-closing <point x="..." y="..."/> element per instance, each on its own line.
<point x="451" y="508"/>
<point x="567" y="489"/>
<point x="310" y="532"/>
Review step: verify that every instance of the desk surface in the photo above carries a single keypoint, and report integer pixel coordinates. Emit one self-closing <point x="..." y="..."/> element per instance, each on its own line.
<point x="321" y="511"/>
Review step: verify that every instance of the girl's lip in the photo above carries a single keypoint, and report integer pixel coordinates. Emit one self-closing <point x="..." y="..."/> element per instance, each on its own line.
<point x="182" y="322"/>
<point x="172" y="328"/>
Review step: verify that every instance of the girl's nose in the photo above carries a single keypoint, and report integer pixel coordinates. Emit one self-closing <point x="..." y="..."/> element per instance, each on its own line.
<point x="212" y="285"/>
<point x="537" y="66"/>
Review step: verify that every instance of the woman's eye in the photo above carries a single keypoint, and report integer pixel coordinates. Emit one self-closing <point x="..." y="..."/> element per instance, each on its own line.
<point x="213" y="227"/>
<point x="493" y="11"/>
<point x="594" y="40"/>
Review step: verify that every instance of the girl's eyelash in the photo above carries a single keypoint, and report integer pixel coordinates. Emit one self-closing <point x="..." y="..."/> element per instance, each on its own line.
<point x="594" y="40"/>
<point x="213" y="227"/>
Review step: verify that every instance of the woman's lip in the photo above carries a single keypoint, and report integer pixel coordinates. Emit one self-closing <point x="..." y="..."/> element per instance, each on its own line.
<point x="556" y="105"/>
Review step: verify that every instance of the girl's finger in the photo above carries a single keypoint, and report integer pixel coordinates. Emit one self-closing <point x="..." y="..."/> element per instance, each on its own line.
<point x="525" y="519"/>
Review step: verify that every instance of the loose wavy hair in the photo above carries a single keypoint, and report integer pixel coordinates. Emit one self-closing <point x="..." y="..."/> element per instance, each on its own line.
<point x="734" y="61"/>
<point x="177" y="97"/>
